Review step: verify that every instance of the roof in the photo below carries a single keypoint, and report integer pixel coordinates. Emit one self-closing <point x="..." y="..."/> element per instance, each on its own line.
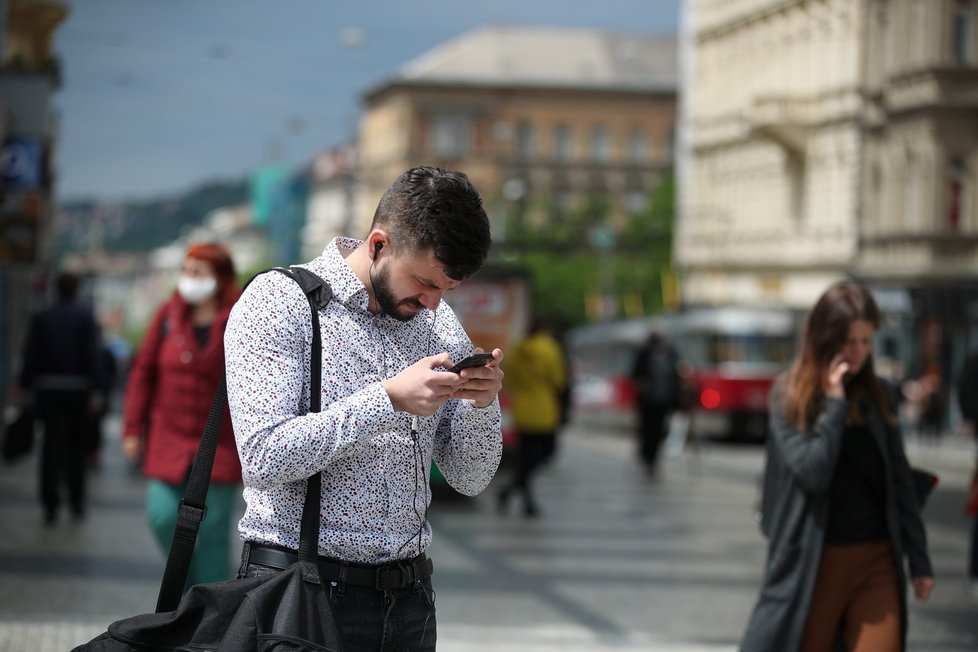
<point x="547" y="57"/>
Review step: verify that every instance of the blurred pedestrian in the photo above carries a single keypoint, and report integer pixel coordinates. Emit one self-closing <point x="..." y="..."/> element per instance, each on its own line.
<point x="840" y="508"/>
<point x="932" y="403"/>
<point x="168" y="395"/>
<point x="535" y="379"/>
<point x="968" y="402"/>
<point x="62" y="371"/>
<point x="655" y="376"/>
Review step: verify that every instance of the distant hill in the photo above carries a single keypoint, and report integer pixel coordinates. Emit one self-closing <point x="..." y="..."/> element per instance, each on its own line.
<point x="141" y="225"/>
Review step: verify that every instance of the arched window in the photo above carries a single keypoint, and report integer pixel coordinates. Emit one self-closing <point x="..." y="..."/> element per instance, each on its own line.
<point x="600" y="144"/>
<point x="637" y="145"/>
<point x="957" y="193"/>
<point x="525" y="141"/>
<point x="562" y="143"/>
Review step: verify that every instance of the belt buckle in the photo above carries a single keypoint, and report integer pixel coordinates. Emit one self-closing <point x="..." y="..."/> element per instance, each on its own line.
<point x="407" y="575"/>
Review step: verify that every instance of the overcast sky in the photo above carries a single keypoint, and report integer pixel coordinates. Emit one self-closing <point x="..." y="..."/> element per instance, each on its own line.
<point x="159" y="96"/>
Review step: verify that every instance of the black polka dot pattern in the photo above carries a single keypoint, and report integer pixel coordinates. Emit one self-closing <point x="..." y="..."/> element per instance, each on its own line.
<point x="371" y="500"/>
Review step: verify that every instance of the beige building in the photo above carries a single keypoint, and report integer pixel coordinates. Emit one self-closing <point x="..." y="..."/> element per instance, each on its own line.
<point x="831" y="138"/>
<point x="771" y="120"/>
<point x="331" y="208"/>
<point x="537" y="117"/>
<point x="919" y="221"/>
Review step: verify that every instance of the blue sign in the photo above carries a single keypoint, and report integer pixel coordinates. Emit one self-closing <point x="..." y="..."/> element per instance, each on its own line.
<point x="20" y="163"/>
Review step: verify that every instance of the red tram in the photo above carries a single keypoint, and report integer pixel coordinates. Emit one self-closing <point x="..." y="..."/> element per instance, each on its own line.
<point x="729" y="356"/>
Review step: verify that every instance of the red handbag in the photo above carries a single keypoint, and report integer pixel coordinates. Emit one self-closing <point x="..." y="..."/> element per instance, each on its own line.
<point x="971" y="504"/>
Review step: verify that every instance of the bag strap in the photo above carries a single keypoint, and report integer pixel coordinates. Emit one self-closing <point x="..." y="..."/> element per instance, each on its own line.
<point x="318" y="293"/>
<point x="193" y="507"/>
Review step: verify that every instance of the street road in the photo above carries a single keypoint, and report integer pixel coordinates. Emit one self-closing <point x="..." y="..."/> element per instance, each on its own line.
<point x="615" y="562"/>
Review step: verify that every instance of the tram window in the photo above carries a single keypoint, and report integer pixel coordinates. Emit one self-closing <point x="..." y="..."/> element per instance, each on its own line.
<point x="744" y="349"/>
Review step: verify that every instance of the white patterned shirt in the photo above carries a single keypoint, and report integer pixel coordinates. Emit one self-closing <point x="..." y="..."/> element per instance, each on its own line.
<point x="375" y="480"/>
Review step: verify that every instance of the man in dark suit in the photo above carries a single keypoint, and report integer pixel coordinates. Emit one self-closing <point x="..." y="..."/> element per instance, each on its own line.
<point x="63" y="373"/>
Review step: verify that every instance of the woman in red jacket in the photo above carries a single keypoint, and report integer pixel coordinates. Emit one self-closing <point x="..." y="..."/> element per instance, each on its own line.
<point x="169" y="393"/>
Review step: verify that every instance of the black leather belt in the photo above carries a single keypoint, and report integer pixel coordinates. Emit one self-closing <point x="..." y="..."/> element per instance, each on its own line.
<point x="395" y="575"/>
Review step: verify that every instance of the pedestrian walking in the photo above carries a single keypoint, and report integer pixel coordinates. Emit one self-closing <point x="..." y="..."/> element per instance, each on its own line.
<point x="932" y="403"/>
<point x="655" y="375"/>
<point x="390" y="406"/>
<point x="968" y="402"/>
<point x="535" y="380"/>
<point x="840" y="508"/>
<point x="168" y="395"/>
<point x="62" y="373"/>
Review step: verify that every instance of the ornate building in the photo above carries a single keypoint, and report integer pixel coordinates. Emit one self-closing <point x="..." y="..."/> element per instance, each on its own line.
<point x="537" y="117"/>
<point x="832" y="138"/>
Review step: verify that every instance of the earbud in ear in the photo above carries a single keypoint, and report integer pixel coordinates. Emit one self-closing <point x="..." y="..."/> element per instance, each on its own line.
<point x="378" y="247"/>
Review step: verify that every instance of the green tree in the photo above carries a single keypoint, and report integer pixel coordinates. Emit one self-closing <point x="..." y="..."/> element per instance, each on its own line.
<point x="577" y="256"/>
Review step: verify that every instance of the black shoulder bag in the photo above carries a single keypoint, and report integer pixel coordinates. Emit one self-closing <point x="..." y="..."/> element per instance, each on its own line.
<point x="282" y="611"/>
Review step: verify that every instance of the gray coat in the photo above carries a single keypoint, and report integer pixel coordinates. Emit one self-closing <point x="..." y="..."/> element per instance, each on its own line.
<point x="797" y="479"/>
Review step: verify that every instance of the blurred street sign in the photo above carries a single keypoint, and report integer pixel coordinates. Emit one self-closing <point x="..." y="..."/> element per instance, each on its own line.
<point x="20" y="163"/>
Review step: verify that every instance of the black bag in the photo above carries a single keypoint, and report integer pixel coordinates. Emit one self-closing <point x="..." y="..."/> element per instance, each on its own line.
<point x="18" y="438"/>
<point x="924" y="482"/>
<point x="287" y="611"/>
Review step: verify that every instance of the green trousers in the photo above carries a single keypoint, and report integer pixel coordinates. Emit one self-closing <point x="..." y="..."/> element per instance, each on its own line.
<point x="212" y="553"/>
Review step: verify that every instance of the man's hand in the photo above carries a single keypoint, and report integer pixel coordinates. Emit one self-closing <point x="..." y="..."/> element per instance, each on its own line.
<point x="481" y="384"/>
<point x="420" y="389"/>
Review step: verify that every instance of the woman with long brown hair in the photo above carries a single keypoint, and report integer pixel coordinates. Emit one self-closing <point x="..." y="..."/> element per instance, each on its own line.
<point x="840" y="508"/>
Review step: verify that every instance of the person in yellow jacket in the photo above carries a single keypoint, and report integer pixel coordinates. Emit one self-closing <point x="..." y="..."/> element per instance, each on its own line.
<point x="535" y="379"/>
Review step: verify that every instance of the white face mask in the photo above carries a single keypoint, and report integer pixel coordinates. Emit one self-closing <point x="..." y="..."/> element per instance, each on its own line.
<point x="196" y="289"/>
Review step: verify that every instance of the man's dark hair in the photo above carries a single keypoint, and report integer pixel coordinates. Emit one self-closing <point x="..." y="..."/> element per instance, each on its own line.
<point x="66" y="286"/>
<point x="431" y="208"/>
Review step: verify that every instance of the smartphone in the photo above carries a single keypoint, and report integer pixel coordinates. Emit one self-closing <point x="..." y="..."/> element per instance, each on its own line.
<point x="474" y="360"/>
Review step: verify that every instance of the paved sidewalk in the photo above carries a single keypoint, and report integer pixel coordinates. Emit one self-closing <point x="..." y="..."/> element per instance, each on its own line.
<point x="616" y="563"/>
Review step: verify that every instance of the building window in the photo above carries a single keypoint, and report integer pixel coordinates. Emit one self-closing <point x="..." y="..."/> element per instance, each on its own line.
<point x="962" y="30"/>
<point x="911" y="200"/>
<point x="600" y="144"/>
<point x="670" y="145"/>
<point x="524" y="141"/>
<point x="562" y="143"/>
<point x="957" y="192"/>
<point x="451" y="135"/>
<point x="795" y="168"/>
<point x="561" y="201"/>
<point x="636" y="202"/>
<point x="637" y="145"/>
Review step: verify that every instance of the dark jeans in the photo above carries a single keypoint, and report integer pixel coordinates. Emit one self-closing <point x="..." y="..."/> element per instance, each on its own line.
<point x="63" y="450"/>
<point x="651" y="431"/>
<point x="372" y="620"/>
<point x="534" y="449"/>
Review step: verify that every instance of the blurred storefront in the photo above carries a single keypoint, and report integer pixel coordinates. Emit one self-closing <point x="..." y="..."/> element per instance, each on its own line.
<point x="29" y="76"/>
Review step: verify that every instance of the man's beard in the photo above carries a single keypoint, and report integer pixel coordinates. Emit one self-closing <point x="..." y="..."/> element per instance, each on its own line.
<point x="388" y="303"/>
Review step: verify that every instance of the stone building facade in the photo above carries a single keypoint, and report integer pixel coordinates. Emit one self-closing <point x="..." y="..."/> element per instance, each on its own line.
<point x="832" y="138"/>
